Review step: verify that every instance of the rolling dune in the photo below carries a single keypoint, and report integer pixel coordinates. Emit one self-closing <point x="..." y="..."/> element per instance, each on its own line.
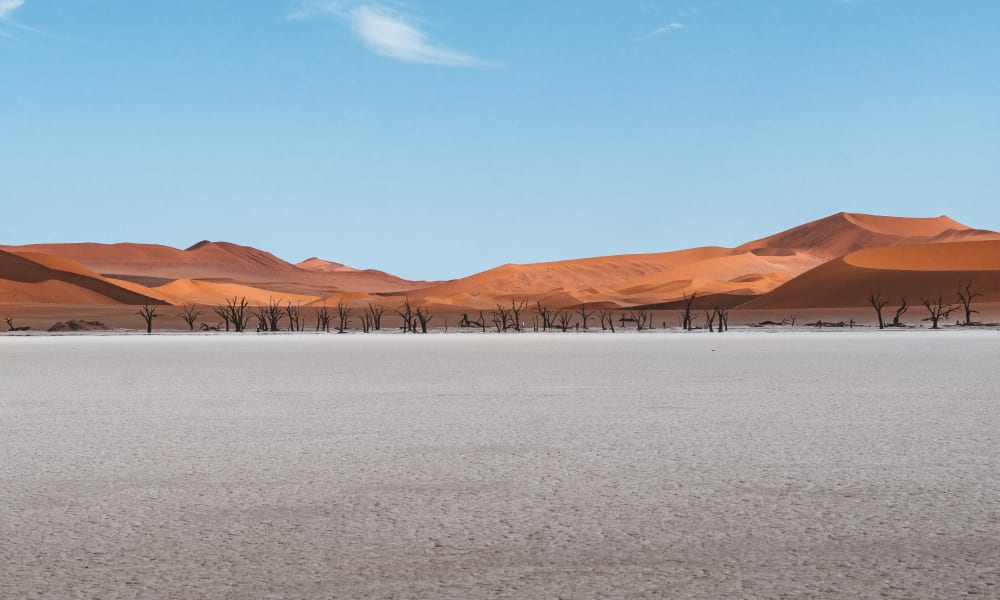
<point x="823" y="263"/>
<point x="925" y="270"/>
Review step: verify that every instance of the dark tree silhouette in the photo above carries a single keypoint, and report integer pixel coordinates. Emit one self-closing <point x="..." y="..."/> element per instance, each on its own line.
<point x="875" y="299"/>
<point x="937" y="310"/>
<point x="189" y="315"/>
<point x="423" y="317"/>
<point x="239" y="313"/>
<point x="965" y="297"/>
<point x="687" y="320"/>
<point x="515" y="313"/>
<point x="343" y="316"/>
<point x="261" y="316"/>
<point x="546" y="315"/>
<point x="710" y="319"/>
<point x="607" y="321"/>
<point x="223" y="312"/>
<point x="563" y="320"/>
<point x="374" y="313"/>
<point x="274" y="314"/>
<point x="408" y="318"/>
<point x="584" y="315"/>
<point x="499" y="318"/>
<point x="294" y="314"/>
<point x="12" y="327"/>
<point x="722" y="318"/>
<point x="323" y="318"/>
<point x="148" y="312"/>
<point x="899" y="313"/>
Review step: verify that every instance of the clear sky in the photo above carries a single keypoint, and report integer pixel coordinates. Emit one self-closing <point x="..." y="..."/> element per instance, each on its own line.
<point x="437" y="138"/>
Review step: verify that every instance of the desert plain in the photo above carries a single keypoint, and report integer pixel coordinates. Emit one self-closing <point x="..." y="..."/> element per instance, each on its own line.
<point x="687" y="465"/>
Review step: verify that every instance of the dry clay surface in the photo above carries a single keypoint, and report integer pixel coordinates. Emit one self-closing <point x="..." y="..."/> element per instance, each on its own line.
<point x="840" y="464"/>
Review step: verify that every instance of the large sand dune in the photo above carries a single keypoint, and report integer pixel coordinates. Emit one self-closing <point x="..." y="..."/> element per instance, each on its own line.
<point x="32" y="278"/>
<point x="923" y="270"/>
<point x="825" y="261"/>
<point x="752" y="269"/>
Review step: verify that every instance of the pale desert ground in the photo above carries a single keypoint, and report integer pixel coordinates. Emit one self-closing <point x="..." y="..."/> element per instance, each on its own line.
<point x="752" y="464"/>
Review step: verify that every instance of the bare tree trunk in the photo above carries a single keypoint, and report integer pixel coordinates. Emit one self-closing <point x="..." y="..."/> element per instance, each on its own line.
<point x="238" y="312"/>
<point x="148" y="312"/>
<point x="189" y="315"/>
<point x="965" y="297"/>
<point x="937" y="310"/>
<point x="687" y="322"/>
<point x="899" y="313"/>
<point x="223" y="313"/>
<point x="584" y="315"/>
<point x="343" y="316"/>
<point x="875" y="299"/>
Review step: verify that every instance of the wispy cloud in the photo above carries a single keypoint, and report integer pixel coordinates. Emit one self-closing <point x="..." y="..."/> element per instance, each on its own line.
<point x="662" y="30"/>
<point x="388" y="32"/>
<point x="9" y="6"/>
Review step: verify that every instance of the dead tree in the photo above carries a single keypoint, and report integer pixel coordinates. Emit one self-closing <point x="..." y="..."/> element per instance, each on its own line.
<point x="407" y="314"/>
<point x="937" y="310"/>
<point x="722" y="318"/>
<point x="261" y="315"/>
<point x="12" y="327"/>
<point x="503" y="318"/>
<point x="899" y="313"/>
<point x="563" y="320"/>
<point x="710" y="319"/>
<point x="148" y="312"/>
<point x="875" y="299"/>
<point x="584" y="315"/>
<point x="499" y="319"/>
<point x="965" y="297"/>
<point x="239" y="313"/>
<point x="323" y="319"/>
<point x="481" y="322"/>
<point x="274" y="312"/>
<point x="343" y="316"/>
<point x="607" y="321"/>
<point x="515" y="313"/>
<point x="189" y="315"/>
<point x="424" y="317"/>
<point x="223" y="313"/>
<point x="547" y="318"/>
<point x="374" y="313"/>
<point x="294" y="314"/>
<point x="687" y="321"/>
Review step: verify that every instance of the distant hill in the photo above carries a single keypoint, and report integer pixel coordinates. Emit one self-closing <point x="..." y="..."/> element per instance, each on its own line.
<point x="830" y="262"/>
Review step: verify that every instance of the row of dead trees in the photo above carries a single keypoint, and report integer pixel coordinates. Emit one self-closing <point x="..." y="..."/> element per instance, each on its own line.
<point x="508" y="318"/>
<point x="237" y="315"/>
<point x="937" y="308"/>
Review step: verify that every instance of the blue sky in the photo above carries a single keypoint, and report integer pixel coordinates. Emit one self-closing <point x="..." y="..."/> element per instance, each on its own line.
<point x="436" y="139"/>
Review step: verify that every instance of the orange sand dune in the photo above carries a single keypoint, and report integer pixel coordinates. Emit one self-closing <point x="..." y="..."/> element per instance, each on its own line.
<point x="204" y="292"/>
<point x="954" y="256"/>
<point x="325" y="266"/>
<point x="843" y="233"/>
<point x="58" y="281"/>
<point x="648" y="279"/>
<point x="209" y="272"/>
<point x="149" y="264"/>
<point x="925" y="270"/>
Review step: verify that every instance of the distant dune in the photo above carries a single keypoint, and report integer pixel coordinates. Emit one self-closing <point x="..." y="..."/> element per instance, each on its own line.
<point x="923" y="270"/>
<point x="831" y="262"/>
<point x="33" y="278"/>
